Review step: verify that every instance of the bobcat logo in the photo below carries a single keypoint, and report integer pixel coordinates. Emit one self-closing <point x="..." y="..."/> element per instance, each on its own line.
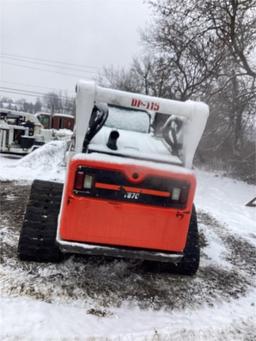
<point x="131" y="195"/>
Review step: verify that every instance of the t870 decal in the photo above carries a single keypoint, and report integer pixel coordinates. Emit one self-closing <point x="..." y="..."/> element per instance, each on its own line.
<point x="132" y="195"/>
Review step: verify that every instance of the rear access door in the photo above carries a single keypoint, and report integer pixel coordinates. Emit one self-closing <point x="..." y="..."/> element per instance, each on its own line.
<point x="130" y="205"/>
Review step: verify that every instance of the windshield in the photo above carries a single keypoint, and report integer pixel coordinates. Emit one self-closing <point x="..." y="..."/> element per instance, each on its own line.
<point x="128" y="119"/>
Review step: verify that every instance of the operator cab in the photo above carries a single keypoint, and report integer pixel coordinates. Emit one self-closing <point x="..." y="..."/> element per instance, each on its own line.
<point x="136" y="134"/>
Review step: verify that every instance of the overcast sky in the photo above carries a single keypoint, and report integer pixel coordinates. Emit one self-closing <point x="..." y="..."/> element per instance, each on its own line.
<point x="79" y="36"/>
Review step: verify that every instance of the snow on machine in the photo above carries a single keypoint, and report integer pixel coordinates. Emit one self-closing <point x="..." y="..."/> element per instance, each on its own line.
<point x="129" y="187"/>
<point x="21" y="132"/>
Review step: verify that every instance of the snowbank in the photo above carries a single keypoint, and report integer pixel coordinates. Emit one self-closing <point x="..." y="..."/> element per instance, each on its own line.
<point x="225" y="198"/>
<point x="46" y="163"/>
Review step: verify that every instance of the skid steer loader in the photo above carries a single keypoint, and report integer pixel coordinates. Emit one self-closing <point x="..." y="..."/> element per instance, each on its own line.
<point x="129" y="186"/>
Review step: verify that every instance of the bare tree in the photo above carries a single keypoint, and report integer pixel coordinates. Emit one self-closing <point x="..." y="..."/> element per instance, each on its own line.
<point x="234" y="23"/>
<point x="53" y="102"/>
<point x="209" y="49"/>
<point x="203" y="49"/>
<point x="192" y="54"/>
<point x="38" y="105"/>
<point x="120" y="79"/>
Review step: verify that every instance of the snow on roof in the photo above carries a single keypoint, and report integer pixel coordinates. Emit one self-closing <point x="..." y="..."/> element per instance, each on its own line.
<point x="43" y="113"/>
<point x="63" y="115"/>
<point x="28" y="116"/>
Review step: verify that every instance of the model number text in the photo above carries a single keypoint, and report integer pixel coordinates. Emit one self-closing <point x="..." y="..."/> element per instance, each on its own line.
<point x="145" y="105"/>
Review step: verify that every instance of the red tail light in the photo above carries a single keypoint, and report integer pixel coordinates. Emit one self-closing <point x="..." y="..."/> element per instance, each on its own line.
<point x="184" y="195"/>
<point x="180" y="194"/>
<point x="79" y="180"/>
<point x="108" y="184"/>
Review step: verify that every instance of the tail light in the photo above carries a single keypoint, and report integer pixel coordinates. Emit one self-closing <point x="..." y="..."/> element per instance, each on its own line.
<point x="108" y="184"/>
<point x="83" y="181"/>
<point x="88" y="181"/>
<point x="79" y="180"/>
<point x="176" y="193"/>
<point x="180" y="194"/>
<point x="184" y="195"/>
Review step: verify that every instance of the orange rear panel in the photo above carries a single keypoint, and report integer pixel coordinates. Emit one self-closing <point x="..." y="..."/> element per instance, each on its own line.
<point x="103" y="221"/>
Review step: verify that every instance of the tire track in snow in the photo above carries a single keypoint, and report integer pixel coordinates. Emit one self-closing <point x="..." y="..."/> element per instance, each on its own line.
<point x="107" y="283"/>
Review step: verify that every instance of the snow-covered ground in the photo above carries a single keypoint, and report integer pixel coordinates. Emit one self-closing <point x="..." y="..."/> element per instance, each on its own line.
<point x="119" y="300"/>
<point x="46" y="163"/>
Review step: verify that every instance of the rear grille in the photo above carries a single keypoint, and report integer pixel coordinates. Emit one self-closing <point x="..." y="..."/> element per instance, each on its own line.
<point x="152" y="190"/>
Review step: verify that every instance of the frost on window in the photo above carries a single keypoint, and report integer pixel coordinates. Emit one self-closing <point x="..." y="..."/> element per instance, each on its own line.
<point x="128" y="119"/>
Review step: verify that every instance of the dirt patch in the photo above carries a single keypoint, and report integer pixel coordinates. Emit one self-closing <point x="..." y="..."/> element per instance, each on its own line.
<point x="99" y="313"/>
<point x="108" y="282"/>
<point x="13" y="200"/>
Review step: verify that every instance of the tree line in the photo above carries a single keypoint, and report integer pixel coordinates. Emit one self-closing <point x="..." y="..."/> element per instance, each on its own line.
<point x="51" y="102"/>
<point x="203" y="50"/>
<point x="200" y="50"/>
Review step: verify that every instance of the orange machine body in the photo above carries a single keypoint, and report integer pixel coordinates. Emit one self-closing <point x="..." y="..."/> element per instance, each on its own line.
<point x="127" y="205"/>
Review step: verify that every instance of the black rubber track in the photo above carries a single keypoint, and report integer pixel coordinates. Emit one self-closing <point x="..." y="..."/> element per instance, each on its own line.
<point x="190" y="262"/>
<point x="38" y="233"/>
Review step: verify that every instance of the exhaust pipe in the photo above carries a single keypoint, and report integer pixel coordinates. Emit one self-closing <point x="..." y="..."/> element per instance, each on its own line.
<point x="113" y="136"/>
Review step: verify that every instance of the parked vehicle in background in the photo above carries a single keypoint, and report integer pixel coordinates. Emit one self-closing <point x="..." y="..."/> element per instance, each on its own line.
<point x="63" y="121"/>
<point x="56" y="121"/>
<point x="21" y="132"/>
